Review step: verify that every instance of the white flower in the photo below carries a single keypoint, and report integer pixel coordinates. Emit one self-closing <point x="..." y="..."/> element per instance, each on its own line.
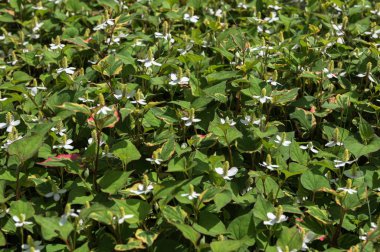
<point x="38" y="8"/>
<point x="186" y="50"/>
<point x="149" y="62"/>
<point x="269" y="166"/>
<point x="227" y="175"/>
<point x="56" y="194"/>
<point x="154" y="160"/>
<point x="189" y="121"/>
<point x="140" y="101"/>
<point x="273" y="83"/>
<point x="9" y="142"/>
<point x="118" y="94"/>
<point x="66" y="145"/>
<point x="242" y="5"/>
<point x="73" y="213"/>
<point x="174" y="80"/>
<point x="37" y="247"/>
<point x="331" y="75"/>
<point x="68" y="70"/>
<point x="375" y="12"/>
<point x="309" y="146"/>
<point x="273" y="17"/>
<point x="9" y="125"/>
<point x="307" y="238"/>
<point x="218" y="13"/>
<point x="372" y="229"/>
<point x="347" y="190"/>
<point x="275" y="7"/>
<point x="102" y="26"/>
<point x="34" y="90"/>
<point x="192" y="19"/>
<point x="167" y="37"/>
<point x="143" y="189"/>
<point x="2" y="37"/>
<point x="190" y="196"/>
<point x="281" y="141"/>
<point x="37" y="27"/>
<point x="374" y="34"/>
<point x="273" y="219"/>
<point x="333" y="143"/>
<point x="60" y="132"/>
<point x="338" y="28"/>
<point x="263" y="98"/>
<point x="370" y="77"/>
<point x="104" y="110"/>
<point x="82" y="99"/>
<point x="91" y="140"/>
<point x="138" y="43"/>
<point x="123" y="218"/>
<point x="56" y="46"/>
<point x="20" y="220"/>
<point x="339" y="163"/>
<point x="248" y="119"/>
<point x="228" y="121"/>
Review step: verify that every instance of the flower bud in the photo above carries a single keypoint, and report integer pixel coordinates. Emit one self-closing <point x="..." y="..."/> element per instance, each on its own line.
<point x="344" y="22"/>
<point x="269" y="159"/>
<point x="331" y="66"/>
<point x="165" y="28"/>
<point x="150" y="54"/>
<point x="369" y="68"/>
<point x="336" y="134"/>
<point x="279" y="211"/>
<point x="9" y="118"/>
<point x="263" y="92"/>
<point x="94" y="136"/>
<point x="226" y="166"/>
<point x="349" y="183"/>
<point x="64" y="62"/>
<point x="86" y="173"/>
<point x="102" y="102"/>
<point x="346" y="155"/>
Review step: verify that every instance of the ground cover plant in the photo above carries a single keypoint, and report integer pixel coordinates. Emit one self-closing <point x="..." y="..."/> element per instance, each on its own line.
<point x="172" y="125"/>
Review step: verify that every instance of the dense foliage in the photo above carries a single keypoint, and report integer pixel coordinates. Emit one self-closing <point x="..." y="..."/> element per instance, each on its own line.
<point x="173" y="125"/>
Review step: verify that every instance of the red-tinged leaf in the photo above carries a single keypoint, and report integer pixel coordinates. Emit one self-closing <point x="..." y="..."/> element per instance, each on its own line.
<point x="51" y="160"/>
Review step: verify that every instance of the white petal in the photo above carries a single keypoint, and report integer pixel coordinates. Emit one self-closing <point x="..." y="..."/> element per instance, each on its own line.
<point x="271" y="216"/>
<point x="232" y="172"/>
<point x="219" y="170"/>
<point x="57" y="196"/>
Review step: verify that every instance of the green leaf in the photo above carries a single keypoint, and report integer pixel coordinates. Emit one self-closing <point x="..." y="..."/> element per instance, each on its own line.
<point x="290" y="237"/>
<point x="359" y="149"/>
<point x="243" y="228"/>
<point x="366" y="131"/>
<point x="319" y="214"/>
<point x="226" y="246"/>
<point x="209" y="224"/>
<point x="21" y="77"/>
<point x="261" y="208"/>
<point x="109" y="66"/>
<point x="3" y="241"/>
<point x="132" y="244"/>
<point x="50" y="227"/>
<point x="125" y="151"/>
<point x="113" y="180"/>
<point x="188" y="232"/>
<point x="305" y="118"/>
<point x="174" y="214"/>
<point x="313" y="181"/>
<point x="75" y="107"/>
<point x="26" y="147"/>
<point x="146" y="237"/>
